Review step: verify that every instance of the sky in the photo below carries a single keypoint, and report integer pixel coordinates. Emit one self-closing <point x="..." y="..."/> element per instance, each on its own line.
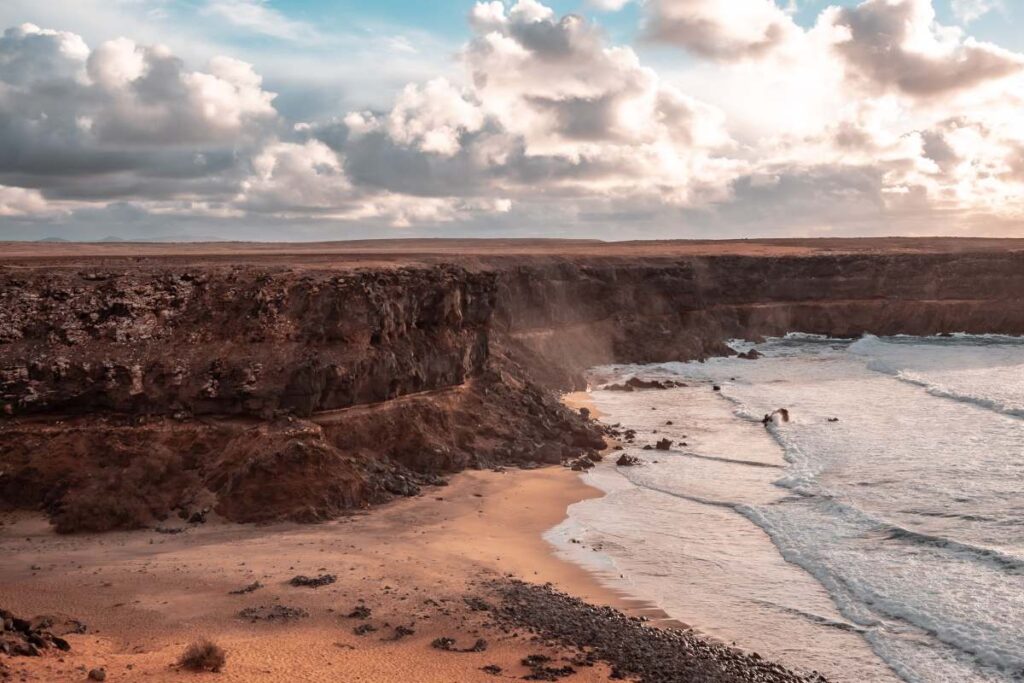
<point x="613" y="119"/>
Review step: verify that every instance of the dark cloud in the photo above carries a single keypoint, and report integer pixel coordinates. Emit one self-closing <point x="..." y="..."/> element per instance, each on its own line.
<point x="122" y="121"/>
<point x="728" y="31"/>
<point x="879" y="51"/>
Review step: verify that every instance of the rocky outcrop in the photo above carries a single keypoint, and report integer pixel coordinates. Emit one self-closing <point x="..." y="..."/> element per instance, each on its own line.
<point x="133" y="391"/>
<point x="236" y="341"/>
<point x="569" y="315"/>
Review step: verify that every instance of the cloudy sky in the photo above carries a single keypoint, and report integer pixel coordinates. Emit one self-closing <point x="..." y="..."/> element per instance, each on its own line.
<point x="618" y="119"/>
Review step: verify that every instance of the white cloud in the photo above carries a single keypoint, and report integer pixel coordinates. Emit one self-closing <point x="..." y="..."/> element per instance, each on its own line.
<point x="738" y="29"/>
<point x="876" y="118"/>
<point x="257" y="16"/>
<point x="122" y="120"/>
<point x="967" y="11"/>
<point x="17" y="201"/>
<point x="897" y="44"/>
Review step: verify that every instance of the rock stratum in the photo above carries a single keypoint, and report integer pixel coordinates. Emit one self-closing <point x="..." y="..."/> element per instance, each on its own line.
<point x="265" y="382"/>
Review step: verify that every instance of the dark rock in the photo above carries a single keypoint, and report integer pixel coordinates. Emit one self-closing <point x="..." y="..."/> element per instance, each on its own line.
<point x="627" y="461"/>
<point x="443" y="643"/>
<point x="582" y="465"/>
<point x="360" y="612"/>
<point x="632" y="647"/>
<point x="273" y="613"/>
<point x="97" y="675"/>
<point x="198" y="517"/>
<point x="402" y="632"/>
<point x="312" y="581"/>
<point x="29" y="637"/>
<point x="752" y="354"/>
<point x="254" y="586"/>
<point x="448" y="645"/>
<point x="663" y="445"/>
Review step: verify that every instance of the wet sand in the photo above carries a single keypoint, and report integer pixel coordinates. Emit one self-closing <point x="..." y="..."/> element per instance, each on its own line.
<point x="145" y="595"/>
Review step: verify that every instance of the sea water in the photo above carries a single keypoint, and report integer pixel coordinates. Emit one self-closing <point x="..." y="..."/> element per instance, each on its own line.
<point x="877" y="535"/>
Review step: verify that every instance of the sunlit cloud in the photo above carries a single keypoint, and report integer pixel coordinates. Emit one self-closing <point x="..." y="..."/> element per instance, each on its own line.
<point x="875" y="117"/>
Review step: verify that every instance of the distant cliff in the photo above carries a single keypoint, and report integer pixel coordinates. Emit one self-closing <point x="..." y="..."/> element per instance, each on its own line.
<point x="133" y="390"/>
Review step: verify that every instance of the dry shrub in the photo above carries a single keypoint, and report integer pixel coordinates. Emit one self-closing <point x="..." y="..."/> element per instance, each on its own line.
<point x="203" y="655"/>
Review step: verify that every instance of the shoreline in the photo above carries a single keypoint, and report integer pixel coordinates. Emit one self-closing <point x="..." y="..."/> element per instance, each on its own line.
<point x="424" y="563"/>
<point x="145" y="595"/>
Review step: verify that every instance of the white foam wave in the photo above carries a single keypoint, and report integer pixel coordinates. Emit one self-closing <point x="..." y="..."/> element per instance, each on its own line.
<point x="942" y="391"/>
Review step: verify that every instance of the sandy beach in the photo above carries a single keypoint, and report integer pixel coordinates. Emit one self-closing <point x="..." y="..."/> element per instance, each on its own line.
<point x="145" y="595"/>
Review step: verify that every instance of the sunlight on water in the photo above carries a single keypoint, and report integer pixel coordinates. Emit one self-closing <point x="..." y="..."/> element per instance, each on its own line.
<point x="879" y="533"/>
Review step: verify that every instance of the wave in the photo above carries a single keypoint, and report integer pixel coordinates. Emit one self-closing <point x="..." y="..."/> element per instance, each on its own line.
<point x="942" y="391"/>
<point x="682" y="496"/>
<point x="889" y="625"/>
<point x="731" y="461"/>
<point x="1014" y="565"/>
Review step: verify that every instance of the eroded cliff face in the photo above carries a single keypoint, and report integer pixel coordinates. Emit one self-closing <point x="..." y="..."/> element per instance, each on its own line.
<point x="568" y="316"/>
<point x="264" y="394"/>
<point x="236" y="341"/>
<point x="137" y="391"/>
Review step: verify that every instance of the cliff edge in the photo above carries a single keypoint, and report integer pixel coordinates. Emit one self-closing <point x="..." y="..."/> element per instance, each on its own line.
<point x="263" y="382"/>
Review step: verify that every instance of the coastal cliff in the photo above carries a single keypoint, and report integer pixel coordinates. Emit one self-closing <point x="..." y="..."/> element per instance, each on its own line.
<point x="134" y="389"/>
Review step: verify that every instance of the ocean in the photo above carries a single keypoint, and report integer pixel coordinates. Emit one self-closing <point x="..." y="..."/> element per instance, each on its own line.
<point x="878" y="535"/>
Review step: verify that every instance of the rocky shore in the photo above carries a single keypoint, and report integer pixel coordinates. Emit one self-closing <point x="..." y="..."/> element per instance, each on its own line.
<point x="148" y="386"/>
<point x="635" y="649"/>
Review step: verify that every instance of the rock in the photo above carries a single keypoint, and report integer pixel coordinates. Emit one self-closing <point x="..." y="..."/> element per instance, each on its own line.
<point x="360" y="612"/>
<point x="448" y="645"/>
<point x="627" y="461"/>
<point x="273" y="613"/>
<point x="402" y="632"/>
<point x="313" y="582"/>
<point x="637" y="383"/>
<point x="585" y="413"/>
<point x="632" y="647"/>
<point x="663" y="445"/>
<point x="582" y="464"/>
<point x="752" y="354"/>
<point x="254" y="586"/>
<point x="198" y="517"/>
<point x="97" y="675"/>
<point x="716" y="388"/>
<point x="29" y="637"/>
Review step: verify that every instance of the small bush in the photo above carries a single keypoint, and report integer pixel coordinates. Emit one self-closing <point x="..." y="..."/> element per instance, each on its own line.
<point x="203" y="655"/>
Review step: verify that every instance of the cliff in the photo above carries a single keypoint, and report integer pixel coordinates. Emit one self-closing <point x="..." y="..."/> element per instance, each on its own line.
<point x="282" y="385"/>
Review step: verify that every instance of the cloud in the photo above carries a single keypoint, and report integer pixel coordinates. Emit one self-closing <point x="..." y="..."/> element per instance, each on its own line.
<point x="738" y="29"/>
<point x="876" y="119"/>
<point x="897" y="44"/>
<point x="967" y="11"/>
<point x="17" y="201"/>
<point x="257" y="16"/>
<point x="121" y="120"/>
<point x="609" y="5"/>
